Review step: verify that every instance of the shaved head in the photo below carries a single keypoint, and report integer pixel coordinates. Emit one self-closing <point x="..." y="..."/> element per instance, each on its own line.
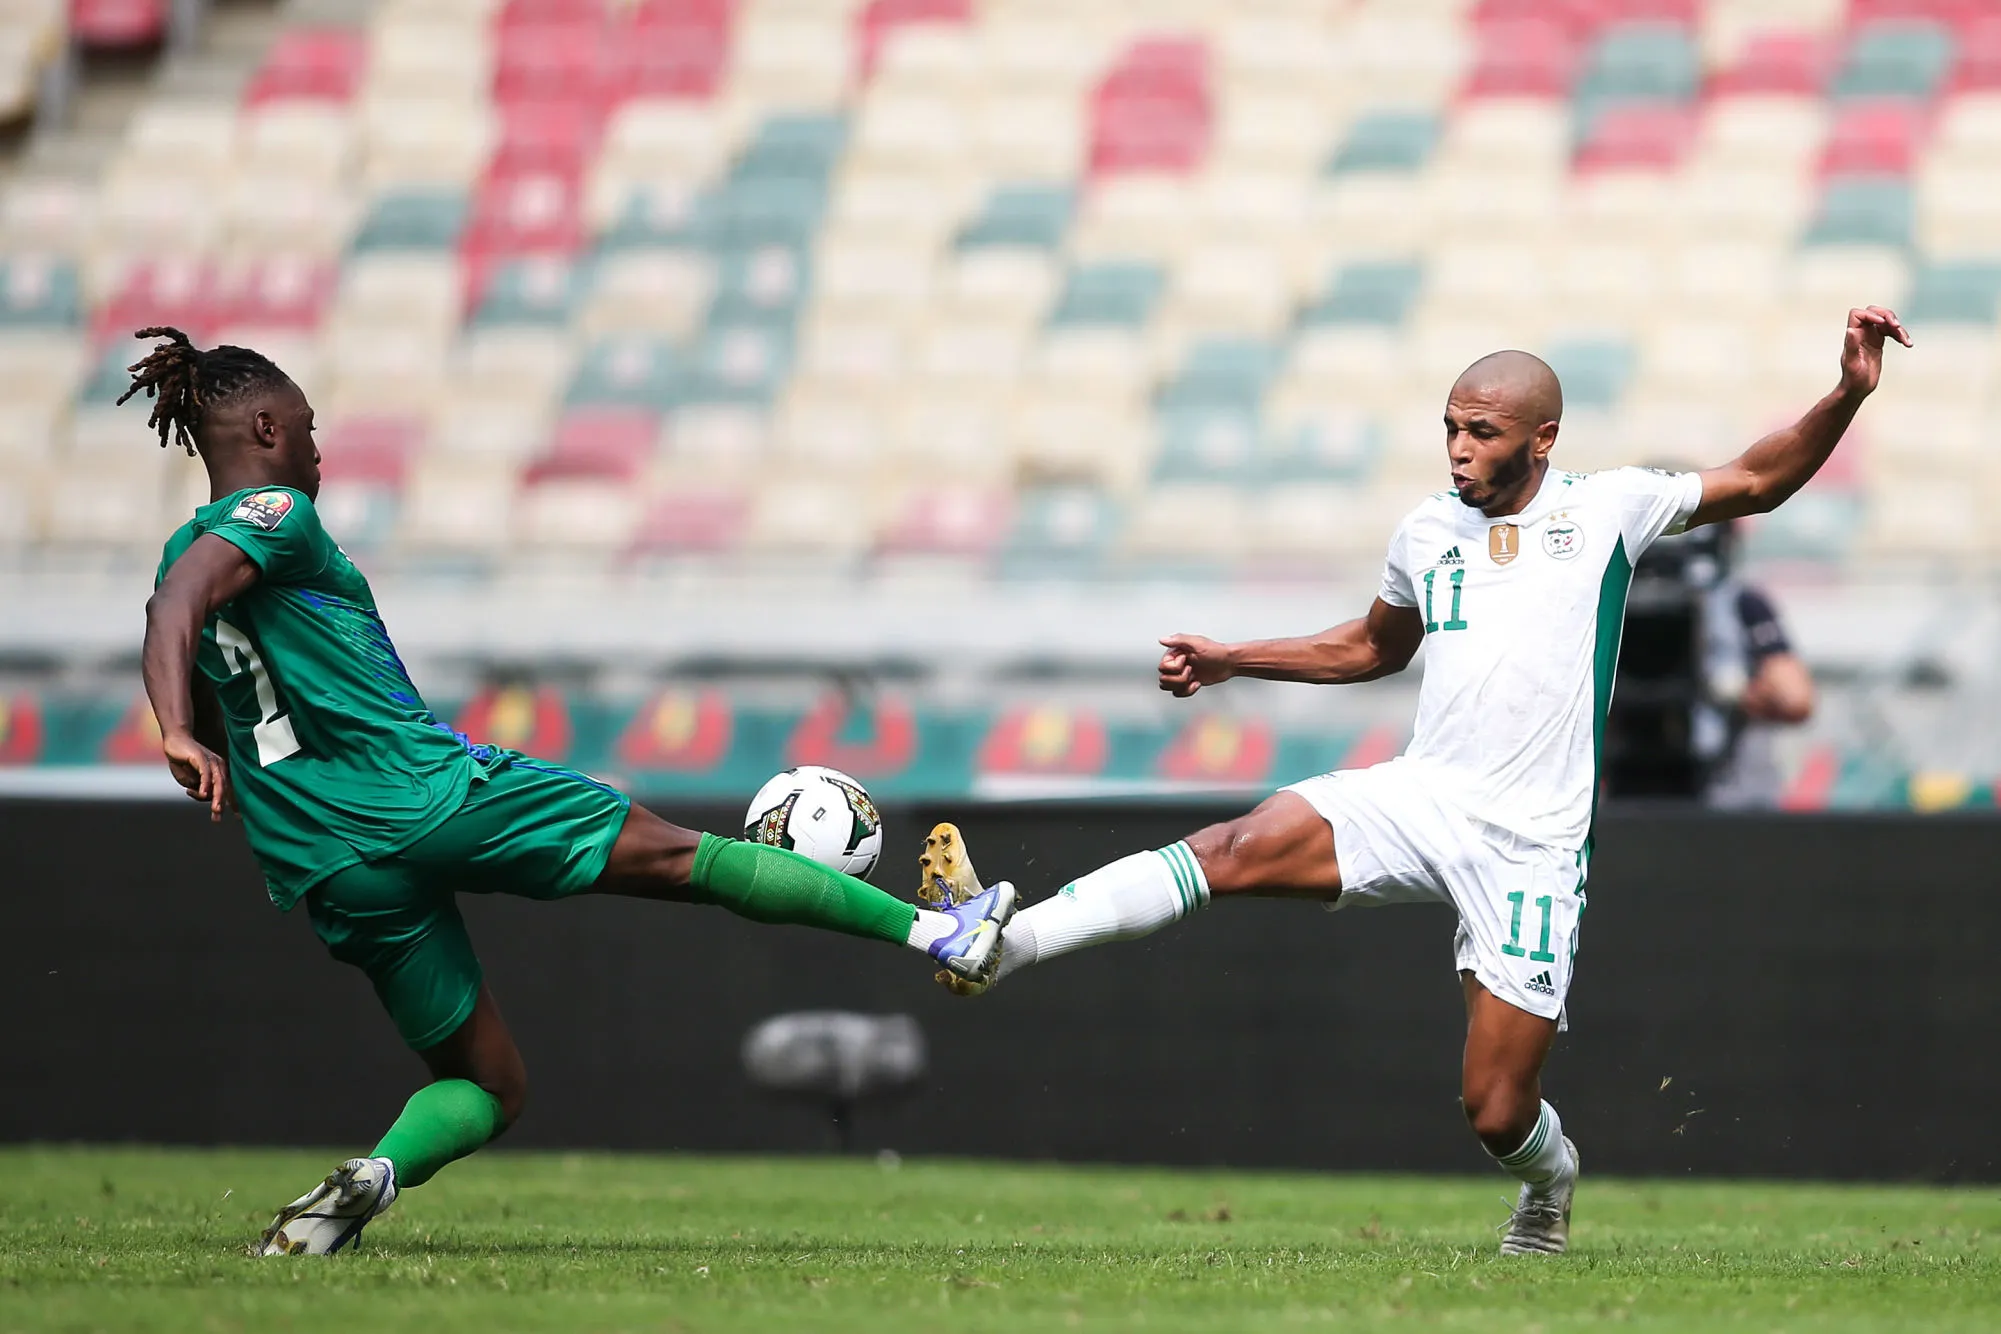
<point x="1500" y="422"/>
<point x="1521" y="380"/>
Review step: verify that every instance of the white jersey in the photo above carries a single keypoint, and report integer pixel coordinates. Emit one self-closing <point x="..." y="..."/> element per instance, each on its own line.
<point x="1522" y="617"/>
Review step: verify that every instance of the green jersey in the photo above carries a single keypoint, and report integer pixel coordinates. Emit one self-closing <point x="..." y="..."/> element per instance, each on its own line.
<point x="333" y="755"/>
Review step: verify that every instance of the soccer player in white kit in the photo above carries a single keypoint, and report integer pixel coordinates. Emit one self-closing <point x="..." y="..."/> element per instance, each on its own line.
<point x="1515" y="582"/>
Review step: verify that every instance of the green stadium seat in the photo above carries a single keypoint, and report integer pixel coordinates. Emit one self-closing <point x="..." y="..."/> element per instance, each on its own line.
<point x="634" y="372"/>
<point x="1208" y="442"/>
<point x="740" y="363"/>
<point x="108" y="379"/>
<point x="760" y="285"/>
<point x="1225" y="368"/>
<point x="770" y="210"/>
<point x="651" y="220"/>
<point x="414" y="219"/>
<point x="1862" y="211"/>
<point x="541" y="291"/>
<point x="1376" y="293"/>
<point x="1343" y="447"/>
<point x="39" y="294"/>
<point x="1594" y="371"/>
<point x="1955" y="292"/>
<point x="792" y="146"/>
<point x="1387" y="141"/>
<point x="1059" y="532"/>
<point x="1895" y="60"/>
<point x="1642" y="62"/>
<point x="1120" y="293"/>
<point x="1026" y="216"/>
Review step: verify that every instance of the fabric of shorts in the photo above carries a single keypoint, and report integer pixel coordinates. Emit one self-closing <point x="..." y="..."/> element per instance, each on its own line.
<point x="1519" y="902"/>
<point x="530" y="829"/>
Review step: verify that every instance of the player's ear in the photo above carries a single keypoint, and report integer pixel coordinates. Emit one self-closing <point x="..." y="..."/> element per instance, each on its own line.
<point x="1545" y="439"/>
<point x="264" y="425"/>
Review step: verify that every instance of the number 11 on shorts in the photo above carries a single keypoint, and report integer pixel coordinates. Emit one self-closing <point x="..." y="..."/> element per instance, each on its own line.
<point x="1540" y="954"/>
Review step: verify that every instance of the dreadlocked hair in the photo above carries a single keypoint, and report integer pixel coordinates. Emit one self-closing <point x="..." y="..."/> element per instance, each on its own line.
<point x="184" y="382"/>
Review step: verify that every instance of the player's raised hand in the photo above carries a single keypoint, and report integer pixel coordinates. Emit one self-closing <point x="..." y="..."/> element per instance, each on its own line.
<point x="1862" y="348"/>
<point x="200" y="770"/>
<point x="1192" y="662"/>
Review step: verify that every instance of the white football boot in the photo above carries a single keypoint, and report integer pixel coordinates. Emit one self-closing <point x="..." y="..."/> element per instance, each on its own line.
<point x="1540" y="1224"/>
<point x="947" y="881"/>
<point x="332" y="1214"/>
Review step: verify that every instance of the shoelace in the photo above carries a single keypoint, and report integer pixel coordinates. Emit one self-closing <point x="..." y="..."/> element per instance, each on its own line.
<point x="1535" y="1211"/>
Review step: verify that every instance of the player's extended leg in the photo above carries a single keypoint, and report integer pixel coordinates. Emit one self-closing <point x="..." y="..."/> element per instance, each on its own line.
<point x="1284" y="848"/>
<point x="653" y="859"/>
<point x="1501" y="1089"/>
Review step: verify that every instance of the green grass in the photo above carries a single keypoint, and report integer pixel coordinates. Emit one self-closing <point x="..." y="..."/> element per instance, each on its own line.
<point x="140" y="1239"/>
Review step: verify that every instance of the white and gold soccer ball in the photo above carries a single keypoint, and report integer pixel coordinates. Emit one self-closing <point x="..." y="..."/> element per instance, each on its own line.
<point x="819" y="813"/>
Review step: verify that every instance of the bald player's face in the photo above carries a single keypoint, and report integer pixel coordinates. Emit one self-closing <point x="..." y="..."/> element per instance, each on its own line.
<point x="1491" y="438"/>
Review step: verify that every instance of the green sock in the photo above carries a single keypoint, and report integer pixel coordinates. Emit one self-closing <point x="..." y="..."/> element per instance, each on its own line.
<point x="441" y="1122"/>
<point x="779" y="887"/>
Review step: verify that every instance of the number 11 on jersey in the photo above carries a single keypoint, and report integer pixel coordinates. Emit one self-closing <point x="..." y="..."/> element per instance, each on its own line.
<point x="1431" y="622"/>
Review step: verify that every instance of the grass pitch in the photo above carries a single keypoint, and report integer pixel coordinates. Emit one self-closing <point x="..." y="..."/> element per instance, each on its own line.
<point x="138" y="1239"/>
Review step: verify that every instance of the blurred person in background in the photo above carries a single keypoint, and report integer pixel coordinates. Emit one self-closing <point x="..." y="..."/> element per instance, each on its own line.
<point x="1756" y="685"/>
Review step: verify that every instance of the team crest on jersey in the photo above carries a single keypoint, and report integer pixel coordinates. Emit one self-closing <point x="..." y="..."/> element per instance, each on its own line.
<point x="266" y="509"/>
<point x="1562" y="538"/>
<point x="1504" y="543"/>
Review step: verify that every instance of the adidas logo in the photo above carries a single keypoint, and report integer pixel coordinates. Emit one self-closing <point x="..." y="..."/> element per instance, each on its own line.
<point x="1452" y="557"/>
<point x="1540" y="984"/>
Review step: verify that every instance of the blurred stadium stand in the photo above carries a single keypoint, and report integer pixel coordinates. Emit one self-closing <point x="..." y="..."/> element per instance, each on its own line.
<point x="953" y="337"/>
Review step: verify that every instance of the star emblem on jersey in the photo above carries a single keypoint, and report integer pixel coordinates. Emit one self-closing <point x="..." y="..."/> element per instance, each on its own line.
<point x="1562" y="538"/>
<point x="1504" y="543"/>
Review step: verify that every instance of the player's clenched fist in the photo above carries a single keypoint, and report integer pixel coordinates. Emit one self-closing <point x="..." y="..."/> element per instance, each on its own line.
<point x="1192" y="662"/>
<point x="1862" y="347"/>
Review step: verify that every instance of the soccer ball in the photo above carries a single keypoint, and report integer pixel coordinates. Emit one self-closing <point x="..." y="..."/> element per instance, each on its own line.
<point x="819" y="813"/>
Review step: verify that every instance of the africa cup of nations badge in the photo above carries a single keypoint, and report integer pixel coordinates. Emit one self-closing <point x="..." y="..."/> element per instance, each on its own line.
<point x="1562" y="538"/>
<point x="265" y="509"/>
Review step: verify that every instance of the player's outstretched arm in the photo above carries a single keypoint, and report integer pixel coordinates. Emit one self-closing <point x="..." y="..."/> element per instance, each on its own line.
<point x="1381" y="643"/>
<point x="209" y="573"/>
<point x="1765" y="475"/>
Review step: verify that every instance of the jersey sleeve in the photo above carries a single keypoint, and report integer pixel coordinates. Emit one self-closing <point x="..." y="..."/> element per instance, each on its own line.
<point x="279" y="530"/>
<point x="1653" y="504"/>
<point x="1764" y="633"/>
<point x="1398" y="589"/>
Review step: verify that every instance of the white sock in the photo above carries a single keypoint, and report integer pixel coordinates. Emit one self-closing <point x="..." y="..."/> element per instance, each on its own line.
<point x="930" y="928"/>
<point x="1541" y="1161"/>
<point x="1134" y="896"/>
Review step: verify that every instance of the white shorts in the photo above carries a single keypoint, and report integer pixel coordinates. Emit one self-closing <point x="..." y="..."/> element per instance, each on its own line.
<point x="1519" y="901"/>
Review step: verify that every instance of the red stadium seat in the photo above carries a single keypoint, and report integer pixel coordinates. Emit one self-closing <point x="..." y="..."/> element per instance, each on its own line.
<point x="1640" y="136"/>
<point x="692" y="519"/>
<point x="523" y="213"/>
<point x="543" y="13"/>
<point x="370" y="450"/>
<point x="550" y="137"/>
<point x="1687" y="13"/>
<point x="310" y="64"/>
<point x="1571" y="16"/>
<point x="1795" y="63"/>
<point x="551" y="63"/>
<point x="879" y="18"/>
<point x="597" y="444"/>
<point x="176" y="292"/>
<point x="1979" y="66"/>
<point x="1880" y="137"/>
<point x="1528" y="59"/>
<point x="1951" y="13"/>
<point x="950" y="520"/>
<point x="283" y="293"/>
<point x="117" y="23"/>
<point x="662" y="56"/>
<point x="1152" y="112"/>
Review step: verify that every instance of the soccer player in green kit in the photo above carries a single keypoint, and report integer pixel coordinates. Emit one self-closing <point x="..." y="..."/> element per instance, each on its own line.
<point x="279" y="693"/>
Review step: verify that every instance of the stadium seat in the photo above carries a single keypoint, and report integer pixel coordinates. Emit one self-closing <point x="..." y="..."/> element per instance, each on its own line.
<point x="1184" y="531"/>
<point x="999" y="283"/>
<point x="760" y="285"/>
<point x="455" y="505"/>
<point x="1024" y="216"/>
<point x="1955" y="292"/>
<point x="1978" y="68"/>
<point x="1058" y="532"/>
<point x="1643" y="62"/>
<point x="577" y="516"/>
<point x="1207" y="442"/>
<point x="1119" y="294"/>
<point x="1387" y="141"/>
<point x="413" y="219"/>
<point x="539" y="290"/>
<point x="957" y="520"/>
<point x="1875" y="137"/>
<point x="530" y="213"/>
<point x="1152" y="110"/>
<point x="1636" y="136"/>
<point x="1327" y="445"/>
<point x="38" y="293"/>
<point x="310" y="65"/>
<point x="684" y="520"/>
<point x="815" y="519"/>
<point x="609" y="444"/>
<point x="115" y="24"/>
<point x="1866" y="210"/>
<point x="1530" y="58"/>
<point x="1894" y="60"/>
<point x="630" y="371"/>
<point x="1594" y="372"/>
<point x="426" y="142"/>
<point x="1087" y="440"/>
<point x="739" y="363"/>
<point x="1775" y="132"/>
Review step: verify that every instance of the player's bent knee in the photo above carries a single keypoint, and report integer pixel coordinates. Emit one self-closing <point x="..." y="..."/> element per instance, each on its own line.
<point x="1227" y="853"/>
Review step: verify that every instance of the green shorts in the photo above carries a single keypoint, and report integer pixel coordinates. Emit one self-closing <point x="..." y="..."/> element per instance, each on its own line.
<point x="530" y="828"/>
